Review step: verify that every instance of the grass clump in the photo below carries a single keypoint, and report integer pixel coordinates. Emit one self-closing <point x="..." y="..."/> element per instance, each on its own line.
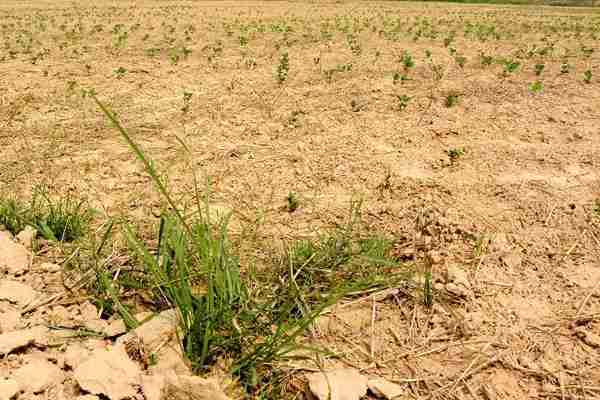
<point x="62" y="219"/>
<point x="224" y="315"/>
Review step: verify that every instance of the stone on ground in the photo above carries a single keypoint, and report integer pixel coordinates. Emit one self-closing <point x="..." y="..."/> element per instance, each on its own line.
<point x="8" y="389"/>
<point x="9" y="320"/>
<point x="27" y="236"/>
<point x="38" y="375"/>
<point x="14" y="257"/>
<point x="155" y="331"/>
<point x="338" y="384"/>
<point x="385" y="389"/>
<point x="184" y="387"/>
<point x="14" y="340"/>
<point x="17" y="293"/>
<point x="109" y="372"/>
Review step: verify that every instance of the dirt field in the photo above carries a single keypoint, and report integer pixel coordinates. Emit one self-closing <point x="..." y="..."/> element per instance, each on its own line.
<point x="471" y="134"/>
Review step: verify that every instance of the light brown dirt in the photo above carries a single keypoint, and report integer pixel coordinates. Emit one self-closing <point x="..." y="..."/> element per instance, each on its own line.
<point x="515" y="212"/>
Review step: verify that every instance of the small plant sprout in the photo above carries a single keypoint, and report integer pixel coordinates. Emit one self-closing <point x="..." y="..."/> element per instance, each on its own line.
<point x="398" y="77"/>
<point x="438" y="71"/>
<point x="510" y="66"/>
<point x="427" y="289"/>
<point x="357" y="106"/>
<point x="283" y="68"/>
<point x="485" y="59"/>
<point x="187" y="98"/>
<point x="455" y="153"/>
<point x="460" y="60"/>
<point x="407" y="60"/>
<point x="564" y="68"/>
<point x="587" y="76"/>
<point x="451" y="100"/>
<point x="536" y="87"/>
<point x="291" y="202"/>
<point x="402" y="101"/>
<point x="120" y="72"/>
<point x="428" y="54"/>
<point x="539" y="68"/>
<point x="597" y="208"/>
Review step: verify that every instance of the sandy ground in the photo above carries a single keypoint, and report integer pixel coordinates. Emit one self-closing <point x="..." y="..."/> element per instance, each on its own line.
<point x="514" y="215"/>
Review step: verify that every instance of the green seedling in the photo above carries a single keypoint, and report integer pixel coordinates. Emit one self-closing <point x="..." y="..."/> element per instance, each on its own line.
<point x="539" y="68"/>
<point x="283" y="68"/>
<point x="536" y="87"/>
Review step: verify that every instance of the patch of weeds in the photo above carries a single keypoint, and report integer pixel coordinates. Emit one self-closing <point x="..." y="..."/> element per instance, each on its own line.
<point x="455" y="153"/>
<point x="62" y="219"/>
<point x="291" y="202"/>
<point x="587" y="76"/>
<point x="340" y="261"/>
<point x="13" y="215"/>
<point x="283" y="68"/>
<point x="536" y="87"/>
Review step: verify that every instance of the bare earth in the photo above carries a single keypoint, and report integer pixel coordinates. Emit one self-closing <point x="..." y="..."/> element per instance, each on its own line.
<point x="510" y="225"/>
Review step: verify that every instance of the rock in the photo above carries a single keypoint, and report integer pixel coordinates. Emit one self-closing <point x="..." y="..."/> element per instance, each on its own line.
<point x="109" y="372"/>
<point x="458" y="290"/>
<point x="117" y="327"/>
<point x="457" y="282"/>
<point x="88" y="311"/>
<point x="75" y="355"/>
<point x="589" y="338"/>
<point x="17" y="339"/>
<point x="96" y="325"/>
<point x="27" y="236"/>
<point x="458" y="276"/>
<point x="170" y="358"/>
<point x="17" y="293"/>
<point x="511" y="259"/>
<point x="385" y="389"/>
<point x="338" y="384"/>
<point x="49" y="267"/>
<point x="155" y="331"/>
<point x="8" y="389"/>
<point x="179" y="387"/>
<point x="500" y="243"/>
<point x="9" y="320"/>
<point x="14" y="257"/>
<point x="527" y="362"/>
<point x="38" y="376"/>
<point x="153" y="387"/>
